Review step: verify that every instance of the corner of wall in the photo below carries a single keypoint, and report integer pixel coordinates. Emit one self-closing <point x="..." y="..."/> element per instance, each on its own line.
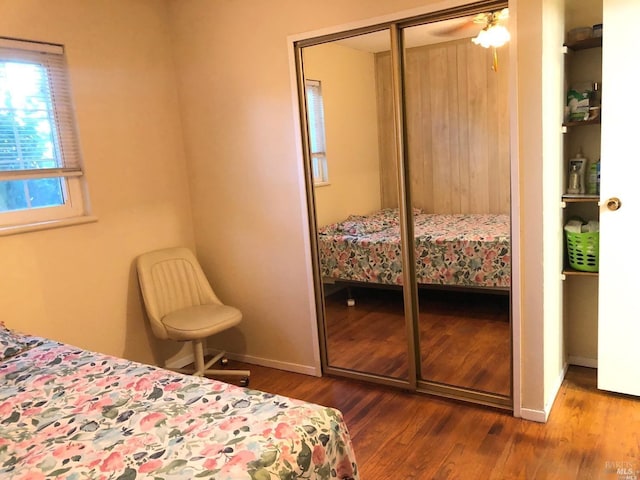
<point x="541" y="416"/>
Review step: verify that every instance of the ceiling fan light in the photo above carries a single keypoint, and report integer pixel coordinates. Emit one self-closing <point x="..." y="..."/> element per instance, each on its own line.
<point x="492" y="36"/>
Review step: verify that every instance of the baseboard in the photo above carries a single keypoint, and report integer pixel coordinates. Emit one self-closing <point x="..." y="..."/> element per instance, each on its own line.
<point x="583" y="361"/>
<point x="556" y="390"/>
<point x="179" y="360"/>
<point x="278" y="365"/>
<point x="182" y="359"/>
<point x="542" y="416"/>
<point x="539" y="416"/>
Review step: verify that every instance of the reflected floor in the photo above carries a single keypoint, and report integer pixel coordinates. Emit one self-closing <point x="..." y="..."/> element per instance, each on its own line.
<point x="464" y="337"/>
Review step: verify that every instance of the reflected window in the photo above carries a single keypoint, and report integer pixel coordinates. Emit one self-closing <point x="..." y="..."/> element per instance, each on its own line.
<point x="315" y="112"/>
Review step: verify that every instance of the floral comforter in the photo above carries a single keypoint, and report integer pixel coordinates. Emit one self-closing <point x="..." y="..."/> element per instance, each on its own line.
<point x="67" y="413"/>
<point x="463" y="250"/>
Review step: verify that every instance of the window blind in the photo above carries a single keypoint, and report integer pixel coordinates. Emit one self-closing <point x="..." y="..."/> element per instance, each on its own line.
<point x="37" y="129"/>
<point x="315" y="111"/>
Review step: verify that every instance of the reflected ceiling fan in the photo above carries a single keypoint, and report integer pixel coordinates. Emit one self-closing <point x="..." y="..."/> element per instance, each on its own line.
<point x="493" y="33"/>
<point x="484" y="21"/>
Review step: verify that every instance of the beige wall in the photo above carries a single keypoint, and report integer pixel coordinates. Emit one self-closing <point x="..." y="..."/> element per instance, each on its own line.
<point x="77" y="284"/>
<point x="528" y="45"/>
<point x="552" y="151"/>
<point x="539" y="75"/>
<point x="349" y="94"/>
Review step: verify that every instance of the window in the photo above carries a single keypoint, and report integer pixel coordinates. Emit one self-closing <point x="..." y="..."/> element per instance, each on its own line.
<point x="41" y="177"/>
<point x="315" y="112"/>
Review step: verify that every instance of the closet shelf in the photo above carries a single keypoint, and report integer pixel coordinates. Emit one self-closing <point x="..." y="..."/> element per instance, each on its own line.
<point x="571" y="271"/>
<point x="592" y="42"/>
<point x="582" y="197"/>
<point x="581" y="123"/>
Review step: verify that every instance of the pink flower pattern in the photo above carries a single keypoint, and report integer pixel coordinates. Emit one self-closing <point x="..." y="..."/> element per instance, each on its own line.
<point x="70" y="414"/>
<point x="463" y="250"/>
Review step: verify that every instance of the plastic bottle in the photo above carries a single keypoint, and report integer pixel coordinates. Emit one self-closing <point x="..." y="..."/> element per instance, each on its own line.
<point x="577" y="170"/>
<point x="574" y="179"/>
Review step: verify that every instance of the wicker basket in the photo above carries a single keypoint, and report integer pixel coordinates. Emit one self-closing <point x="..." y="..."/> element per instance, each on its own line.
<point x="582" y="249"/>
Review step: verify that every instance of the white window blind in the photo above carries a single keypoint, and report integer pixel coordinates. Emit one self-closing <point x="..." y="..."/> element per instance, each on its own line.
<point x="315" y="114"/>
<point x="38" y="135"/>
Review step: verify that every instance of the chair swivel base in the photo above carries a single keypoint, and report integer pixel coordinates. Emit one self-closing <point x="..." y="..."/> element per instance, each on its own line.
<point x="203" y="369"/>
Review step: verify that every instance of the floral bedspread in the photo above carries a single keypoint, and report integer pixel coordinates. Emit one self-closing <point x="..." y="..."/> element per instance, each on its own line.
<point x="465" y="250"/>
<point x="66" y="413"/>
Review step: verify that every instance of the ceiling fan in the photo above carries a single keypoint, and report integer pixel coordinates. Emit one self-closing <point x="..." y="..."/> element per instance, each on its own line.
<point x="492" y="34"/>
<point x="479" y="22"/>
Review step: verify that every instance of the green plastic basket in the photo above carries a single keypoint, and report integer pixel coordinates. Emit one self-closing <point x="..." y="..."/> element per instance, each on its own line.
<point x="582" y="249"/>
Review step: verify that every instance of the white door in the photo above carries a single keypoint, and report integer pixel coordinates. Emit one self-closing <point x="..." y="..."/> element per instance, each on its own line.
<point x="619" y="279"/>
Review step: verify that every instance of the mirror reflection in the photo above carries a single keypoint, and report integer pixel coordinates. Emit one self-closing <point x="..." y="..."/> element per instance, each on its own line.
<point x="456" y="101"/>
<point x="364" y="325"/>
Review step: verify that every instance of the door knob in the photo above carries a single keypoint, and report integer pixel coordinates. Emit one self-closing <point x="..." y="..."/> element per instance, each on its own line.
<point x="614" y="203"/>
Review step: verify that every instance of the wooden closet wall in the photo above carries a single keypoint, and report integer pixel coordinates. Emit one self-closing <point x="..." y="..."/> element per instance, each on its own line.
<point x="457" y="128"/>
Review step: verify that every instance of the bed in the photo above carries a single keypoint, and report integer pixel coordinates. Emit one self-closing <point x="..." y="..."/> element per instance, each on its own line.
<point x="68" y="413"/>
<point x="452" y="250"/>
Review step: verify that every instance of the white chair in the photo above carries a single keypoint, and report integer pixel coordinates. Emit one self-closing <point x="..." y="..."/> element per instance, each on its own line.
<point x="182" y="306"/>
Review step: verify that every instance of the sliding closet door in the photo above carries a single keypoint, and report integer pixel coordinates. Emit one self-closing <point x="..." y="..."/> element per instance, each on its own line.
<point x="406" y="132"/>
<point x="457" y="157"/>
<point x="355" y="195"/>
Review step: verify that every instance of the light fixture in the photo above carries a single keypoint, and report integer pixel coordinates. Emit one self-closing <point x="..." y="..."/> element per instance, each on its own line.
<point x="493" y="35"/>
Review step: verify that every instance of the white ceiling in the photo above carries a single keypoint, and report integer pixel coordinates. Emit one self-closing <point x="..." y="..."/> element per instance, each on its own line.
<point x="437" y="32"/>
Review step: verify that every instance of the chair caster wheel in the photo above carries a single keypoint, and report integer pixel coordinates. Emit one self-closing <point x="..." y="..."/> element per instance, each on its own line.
<point x="224" y="362"/>
<point x="244" y="382"/>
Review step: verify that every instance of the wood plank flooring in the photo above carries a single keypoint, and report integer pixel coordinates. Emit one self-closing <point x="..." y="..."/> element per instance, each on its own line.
<point x="464" y="337"/>
<point x="399" y="435"/>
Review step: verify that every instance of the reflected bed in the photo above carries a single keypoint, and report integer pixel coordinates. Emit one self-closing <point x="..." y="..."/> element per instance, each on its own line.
<point x="471" y="250"/>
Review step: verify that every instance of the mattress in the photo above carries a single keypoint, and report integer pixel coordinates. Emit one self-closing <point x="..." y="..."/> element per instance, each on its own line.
<point x="68" y="413"/>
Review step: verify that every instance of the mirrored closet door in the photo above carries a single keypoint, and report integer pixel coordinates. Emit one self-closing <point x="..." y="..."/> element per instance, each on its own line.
<point x="360" y="273"/>
<point x="406" y="132"/>
<point x="457" y="155"/>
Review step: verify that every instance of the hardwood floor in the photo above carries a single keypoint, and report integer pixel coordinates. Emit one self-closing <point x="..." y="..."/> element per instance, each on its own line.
<point x="400" y="435"/>
<point x="465" y="340"/>
<point x="464" y="337"/>
<point x="370" y="336"/>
